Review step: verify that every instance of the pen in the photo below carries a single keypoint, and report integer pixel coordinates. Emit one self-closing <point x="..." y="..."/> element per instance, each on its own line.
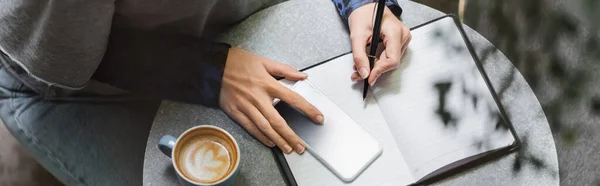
<point x="374" y="43"/>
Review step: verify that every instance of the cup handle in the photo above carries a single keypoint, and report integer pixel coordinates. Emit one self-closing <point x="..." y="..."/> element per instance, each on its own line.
<point x="166" y="144"/>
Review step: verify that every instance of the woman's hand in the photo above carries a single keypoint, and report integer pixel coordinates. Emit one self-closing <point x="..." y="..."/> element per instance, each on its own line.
<point x="247" y="95"/>
<point x="395" y="35"/>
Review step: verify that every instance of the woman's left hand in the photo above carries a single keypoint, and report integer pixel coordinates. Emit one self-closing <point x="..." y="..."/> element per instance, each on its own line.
<point x="395" y="35"/>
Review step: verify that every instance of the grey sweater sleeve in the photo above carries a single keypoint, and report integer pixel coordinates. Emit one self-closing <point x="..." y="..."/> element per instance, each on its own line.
<point x="65" y="43"/>
<point x="59" y="42"/>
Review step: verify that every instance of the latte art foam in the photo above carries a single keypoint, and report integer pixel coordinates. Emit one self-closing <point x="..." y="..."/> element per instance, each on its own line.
<point x="205" y="160"/>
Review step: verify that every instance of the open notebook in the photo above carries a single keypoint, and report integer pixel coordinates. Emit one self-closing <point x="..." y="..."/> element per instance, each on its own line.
<point x="433" y="115"/>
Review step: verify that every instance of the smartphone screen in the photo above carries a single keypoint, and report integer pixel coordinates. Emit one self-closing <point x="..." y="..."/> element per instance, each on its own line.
<point x="340" y="143"/>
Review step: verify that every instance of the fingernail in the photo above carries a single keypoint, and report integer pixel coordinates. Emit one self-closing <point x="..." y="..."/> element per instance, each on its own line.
<point x="300" y="148"/>
<point x="364" y="73"/>
<point x="270" y="144"/>
<point x="287" y="149"/>
<point x="373" y="82"/>
<point x="355" y="77"/>
<point x="320" y="119"/>
<point x="304" y="75"/>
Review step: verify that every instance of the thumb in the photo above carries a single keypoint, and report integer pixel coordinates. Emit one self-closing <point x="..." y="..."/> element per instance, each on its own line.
<point x="284" y="70"/>
<point x="359" y="53"/>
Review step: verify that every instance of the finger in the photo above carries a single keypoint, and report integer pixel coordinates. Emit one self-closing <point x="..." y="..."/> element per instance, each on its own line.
<point x="359" y="53"/>
<point x="250" y="127"/>
<point x="284" y="70"/>
<point x="355" y="76"/>
<point x="382" y="66"/>
<point x="279" y="124"/>
<point x="393" y="39"/>
<point x="403" y="52"/>
<point x="265" y="127"/>
<point x="298" y="102"/>
<point x="407" y="37"/>
<point x="405" y="47"/>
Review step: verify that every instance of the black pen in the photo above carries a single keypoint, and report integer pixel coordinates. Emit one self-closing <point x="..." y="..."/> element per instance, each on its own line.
<point x="374" y="43"/>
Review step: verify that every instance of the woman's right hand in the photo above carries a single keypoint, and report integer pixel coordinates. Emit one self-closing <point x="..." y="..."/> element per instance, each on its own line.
<point x="247" y="93"/>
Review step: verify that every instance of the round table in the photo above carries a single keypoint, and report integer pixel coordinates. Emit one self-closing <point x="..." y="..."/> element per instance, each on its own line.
<point x="305" y="32"/>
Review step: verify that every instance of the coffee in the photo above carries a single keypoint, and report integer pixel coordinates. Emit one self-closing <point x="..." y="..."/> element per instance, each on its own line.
<point x="206" y="155"/>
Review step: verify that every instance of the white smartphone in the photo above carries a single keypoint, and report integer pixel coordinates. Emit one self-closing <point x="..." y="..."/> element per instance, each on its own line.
<point x="340" y="144"/>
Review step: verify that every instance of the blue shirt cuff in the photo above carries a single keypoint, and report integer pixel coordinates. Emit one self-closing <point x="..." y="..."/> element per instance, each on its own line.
<point x="346" y="7"/>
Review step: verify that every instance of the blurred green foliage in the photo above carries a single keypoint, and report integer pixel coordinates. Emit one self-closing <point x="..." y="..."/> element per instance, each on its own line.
<point x="555" y="45"/>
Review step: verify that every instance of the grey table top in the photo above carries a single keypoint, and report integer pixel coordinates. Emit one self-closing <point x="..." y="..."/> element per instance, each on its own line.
<point x="305" y="32"/>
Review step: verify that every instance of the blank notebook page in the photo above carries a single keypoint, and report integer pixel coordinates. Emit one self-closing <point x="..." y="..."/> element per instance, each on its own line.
<point x="437" y="103"/>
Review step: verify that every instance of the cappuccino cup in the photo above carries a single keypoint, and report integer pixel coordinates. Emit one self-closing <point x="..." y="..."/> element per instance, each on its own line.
<point x="203" y="155"/>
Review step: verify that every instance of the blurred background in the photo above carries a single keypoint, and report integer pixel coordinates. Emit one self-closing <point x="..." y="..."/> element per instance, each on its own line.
<point x="555" y="44"/>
